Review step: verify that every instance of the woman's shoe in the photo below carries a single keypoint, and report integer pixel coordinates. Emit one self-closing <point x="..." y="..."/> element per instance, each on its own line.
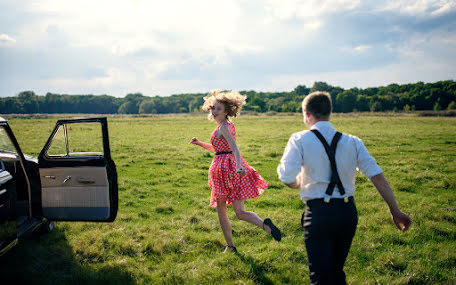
<point x="275" y="232"/>
<point x="230" y="248"/>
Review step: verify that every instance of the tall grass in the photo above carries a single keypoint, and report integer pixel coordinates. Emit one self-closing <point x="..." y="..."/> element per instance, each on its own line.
<point x="166" y="233"/>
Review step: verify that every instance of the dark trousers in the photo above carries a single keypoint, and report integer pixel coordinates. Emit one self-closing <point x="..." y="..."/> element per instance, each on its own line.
<point x="328" y="232"/>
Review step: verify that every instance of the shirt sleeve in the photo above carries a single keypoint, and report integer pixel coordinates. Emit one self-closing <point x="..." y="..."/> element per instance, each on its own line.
<point x="291" y="162"/>
<point x="366" y="163"/>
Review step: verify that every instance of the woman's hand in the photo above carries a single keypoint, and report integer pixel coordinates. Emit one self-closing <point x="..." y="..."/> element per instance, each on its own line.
<point x="194" y="141"/>
<point x="206" y="146"/>
<point x="240" y="170"/>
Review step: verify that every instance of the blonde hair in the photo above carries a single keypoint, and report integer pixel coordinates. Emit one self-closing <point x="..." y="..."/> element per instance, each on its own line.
<point x="232" y="100"/>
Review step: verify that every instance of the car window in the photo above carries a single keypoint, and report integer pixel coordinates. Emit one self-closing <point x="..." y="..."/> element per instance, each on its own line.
<point x="77" y="139"/>
<point x="6" y="145"/>
<point x="58" y="145"/>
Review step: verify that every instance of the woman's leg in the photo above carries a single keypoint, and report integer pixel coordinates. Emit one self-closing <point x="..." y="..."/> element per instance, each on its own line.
<point x="225" y="222"/>
<point x="251" y="217"/>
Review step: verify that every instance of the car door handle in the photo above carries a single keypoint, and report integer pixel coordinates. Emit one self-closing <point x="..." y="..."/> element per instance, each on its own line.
<point x="86" y="180"/>
<point x="66" y="179"/>
<point x="49" y="176"/>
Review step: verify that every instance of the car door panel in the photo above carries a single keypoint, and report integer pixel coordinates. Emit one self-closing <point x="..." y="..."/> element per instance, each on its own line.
<point x="81" y="176"/>
<point x="78" y="185"/>
<point x="72" y="190"/>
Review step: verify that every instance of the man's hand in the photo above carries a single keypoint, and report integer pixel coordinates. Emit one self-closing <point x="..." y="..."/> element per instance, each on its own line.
<point x="402" y="221"/>
<point x="296" y="184"/>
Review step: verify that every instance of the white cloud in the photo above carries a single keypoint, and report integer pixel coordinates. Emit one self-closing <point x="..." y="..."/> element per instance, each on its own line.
<point x="404" y="72"/>
<point x="307" y="9"/>
<point x="450" y="40"/>
<point x="167" y="47"/>
<point x="418" y="59"/>
<point x="127" y="26"/>
<point x="313" y="25"/>
<point x="362" y="48"/>
<point x="6" y="40"/>
<point x="421" y="7"/>
<point x="447" y="7"/>
<point x="357" y="50"/>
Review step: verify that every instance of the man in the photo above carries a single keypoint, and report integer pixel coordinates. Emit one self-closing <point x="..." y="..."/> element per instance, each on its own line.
<point x="323" y="163"/>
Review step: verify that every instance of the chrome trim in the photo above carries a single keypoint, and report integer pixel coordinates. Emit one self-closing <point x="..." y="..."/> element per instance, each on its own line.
<point x="8" y="247"/>
<point x="5" y="176"/>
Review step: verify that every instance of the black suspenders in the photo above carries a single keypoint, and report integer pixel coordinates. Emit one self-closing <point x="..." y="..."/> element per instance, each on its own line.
<point x="331" y="152"/>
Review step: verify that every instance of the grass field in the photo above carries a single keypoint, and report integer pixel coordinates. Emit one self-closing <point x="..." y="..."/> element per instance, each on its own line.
<point x="165" y="232"/>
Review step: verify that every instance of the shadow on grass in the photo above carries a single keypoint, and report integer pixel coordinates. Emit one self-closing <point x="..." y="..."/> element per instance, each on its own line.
<point x="257" y="270"/>
<point x="49" y="259"/>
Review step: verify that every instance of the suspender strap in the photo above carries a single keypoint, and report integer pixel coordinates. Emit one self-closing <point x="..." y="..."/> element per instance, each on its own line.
<point x="331" y="152"/>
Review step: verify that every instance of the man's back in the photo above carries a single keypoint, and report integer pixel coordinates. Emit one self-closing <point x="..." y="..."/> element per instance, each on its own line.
<point x="305" y="150"/>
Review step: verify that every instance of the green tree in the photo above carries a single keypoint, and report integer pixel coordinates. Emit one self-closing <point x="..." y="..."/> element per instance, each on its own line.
<point x="437" y="107"/>
<point x="259" y="103"/>
<point x="29" y="102"/>
<point x="131" y="103"/>
<point x="128" y="107"/>
<point x="346" y="101"/>
<point x="376" y="107"/>
<point x="362" y="103"/>
<point x="452" y="106"/>
<point x="147" y="107"/>
<point x="12" y="105"/>
<point x="301" y="90"/>
<point x="320" y="86"/>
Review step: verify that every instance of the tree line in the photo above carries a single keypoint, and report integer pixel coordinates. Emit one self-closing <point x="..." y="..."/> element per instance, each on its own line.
<point x="439" y="95"/>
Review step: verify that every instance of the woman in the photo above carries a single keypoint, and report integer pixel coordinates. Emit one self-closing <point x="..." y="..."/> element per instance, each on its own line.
<point x="231" y="179"/>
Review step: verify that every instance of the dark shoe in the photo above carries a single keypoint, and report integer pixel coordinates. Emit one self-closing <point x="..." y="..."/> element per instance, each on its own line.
<point x="230" y="249"/>
<point x="275" y="232"/>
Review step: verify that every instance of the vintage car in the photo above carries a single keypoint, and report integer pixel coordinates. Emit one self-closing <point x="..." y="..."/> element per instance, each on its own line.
<point x="73" y="179"/>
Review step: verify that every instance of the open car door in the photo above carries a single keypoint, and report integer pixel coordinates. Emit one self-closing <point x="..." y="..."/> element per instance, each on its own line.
<point x="78" y="176"/>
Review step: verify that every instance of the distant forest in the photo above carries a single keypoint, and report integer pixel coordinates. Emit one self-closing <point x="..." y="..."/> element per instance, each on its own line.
<point x="440" y="95"/>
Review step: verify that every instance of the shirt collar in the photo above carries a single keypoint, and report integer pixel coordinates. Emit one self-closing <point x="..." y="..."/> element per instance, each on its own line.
<point x="321" y="125"/>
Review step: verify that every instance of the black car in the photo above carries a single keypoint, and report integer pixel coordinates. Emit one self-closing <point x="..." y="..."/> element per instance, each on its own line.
<point x="73" y="179"/>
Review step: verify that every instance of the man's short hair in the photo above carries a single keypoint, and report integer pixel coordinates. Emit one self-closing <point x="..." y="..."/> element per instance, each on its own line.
<point x="318" y="104"/>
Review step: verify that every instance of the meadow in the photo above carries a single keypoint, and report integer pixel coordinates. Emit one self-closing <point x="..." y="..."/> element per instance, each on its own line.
<point x="166" y="233"/>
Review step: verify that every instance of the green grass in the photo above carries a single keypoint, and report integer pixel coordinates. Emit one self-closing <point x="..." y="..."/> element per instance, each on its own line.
<point x="165" y="231"/>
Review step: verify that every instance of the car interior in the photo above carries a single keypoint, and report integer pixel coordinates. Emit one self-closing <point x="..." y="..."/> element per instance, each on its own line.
<point x="13" y="188"/>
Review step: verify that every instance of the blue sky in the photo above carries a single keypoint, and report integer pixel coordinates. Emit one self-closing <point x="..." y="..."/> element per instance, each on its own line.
<point x="169" y="47"/>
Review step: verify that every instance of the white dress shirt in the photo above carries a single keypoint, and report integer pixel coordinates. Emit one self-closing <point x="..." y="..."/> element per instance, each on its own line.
<point x="305" y="153"/>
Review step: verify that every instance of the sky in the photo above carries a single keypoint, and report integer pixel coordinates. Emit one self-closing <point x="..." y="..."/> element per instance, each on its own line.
<point x="116" y="47"/>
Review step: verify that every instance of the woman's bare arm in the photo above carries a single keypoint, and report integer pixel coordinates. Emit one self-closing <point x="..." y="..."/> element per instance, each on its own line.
<point x="206" y="146"/>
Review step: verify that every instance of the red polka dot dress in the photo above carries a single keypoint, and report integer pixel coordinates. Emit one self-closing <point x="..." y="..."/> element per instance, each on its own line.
<point x="224" y="181"/>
